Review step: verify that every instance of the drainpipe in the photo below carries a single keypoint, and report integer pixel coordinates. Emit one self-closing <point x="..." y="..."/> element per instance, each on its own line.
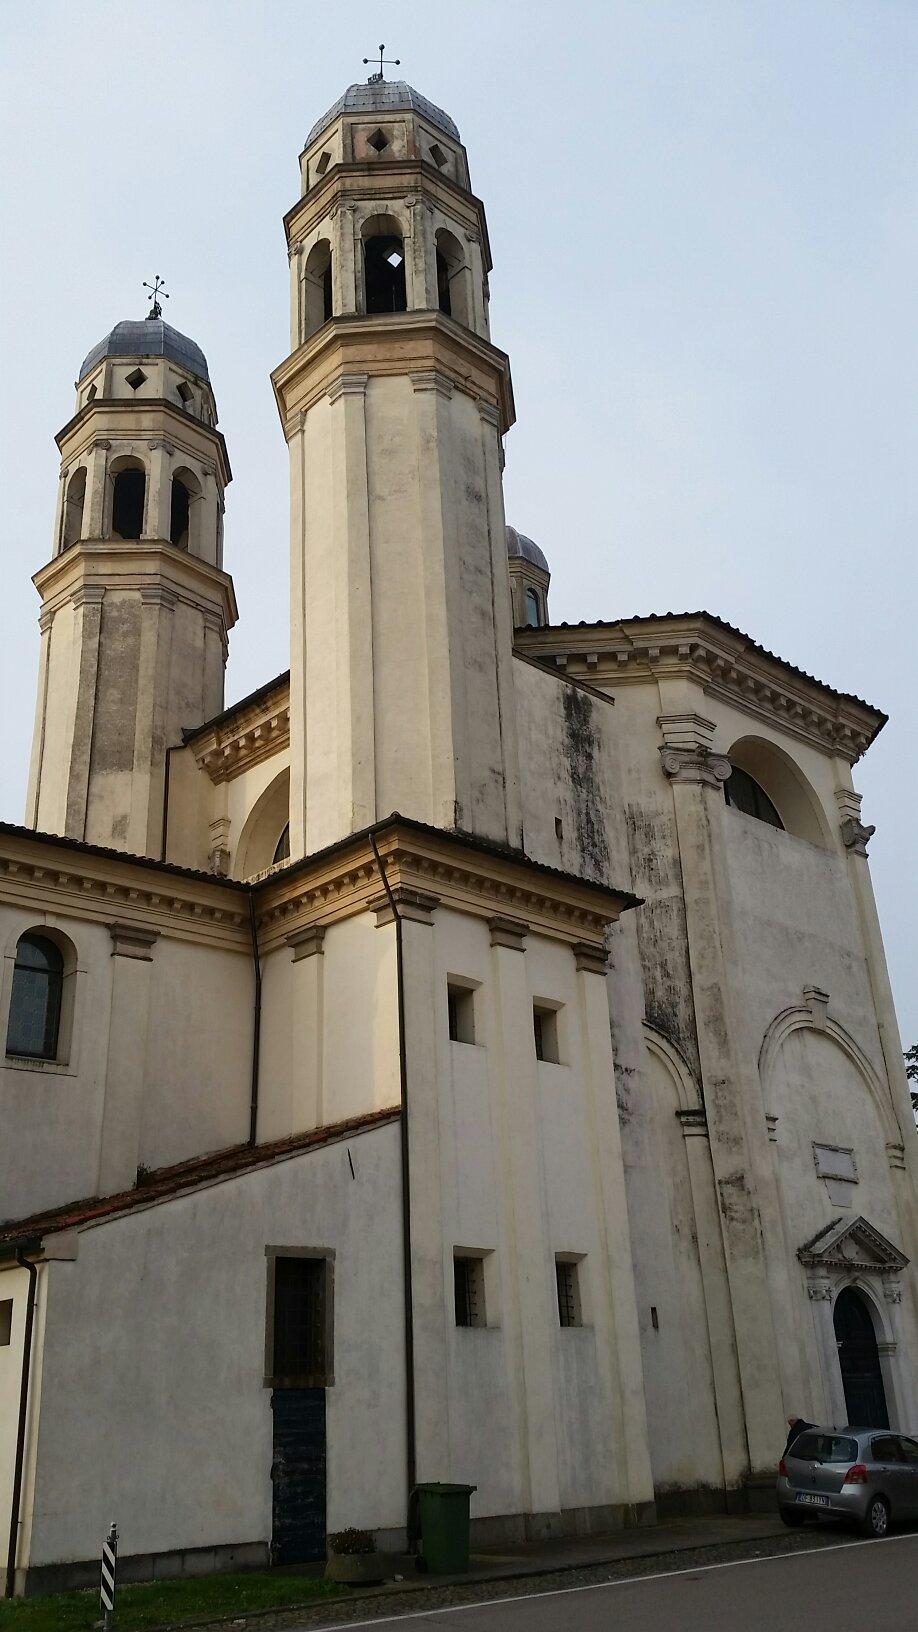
<point x="24" y="1263"/>
<point x="256" y="1023"/>
<point x="410" y="1429"/>
<point x="167" y="769"/>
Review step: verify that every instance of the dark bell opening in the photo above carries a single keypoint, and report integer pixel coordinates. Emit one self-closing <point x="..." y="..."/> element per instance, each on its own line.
<point x="443" y="285"/>
<point x="327" y="292"/>
<point x="127" y="504"/>
<point x="384" y="265"/>
<point x="178" y="518"/>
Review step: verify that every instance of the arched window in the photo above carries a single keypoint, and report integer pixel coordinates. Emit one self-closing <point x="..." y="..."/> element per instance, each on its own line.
<point x="743" y="792"/>
<point x="453" y="277"/>
<point x="35" y="1004"/>
<point x="179" y="514"/>
<point x="384" y="272"/>
<point x="317" y="288"/>
<point x="282" y="853"/>
<point x="533" y="609"/>
<point x="130" y="491"/>
<point x="72" y="524"/>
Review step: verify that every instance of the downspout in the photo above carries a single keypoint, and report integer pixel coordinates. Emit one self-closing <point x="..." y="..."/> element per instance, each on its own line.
<point x="24" y="1263"/>
<point x="166" y="774"/>
<point x="410" y="1428"/>
<point x="256" y="1023"/>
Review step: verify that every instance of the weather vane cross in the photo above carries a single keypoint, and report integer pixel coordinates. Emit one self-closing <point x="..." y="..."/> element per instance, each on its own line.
<point x="393" y="62"/>
<point x="156" y="288"/>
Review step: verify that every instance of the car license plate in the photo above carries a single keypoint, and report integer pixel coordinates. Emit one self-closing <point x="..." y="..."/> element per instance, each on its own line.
<point x="811" y="1500"/>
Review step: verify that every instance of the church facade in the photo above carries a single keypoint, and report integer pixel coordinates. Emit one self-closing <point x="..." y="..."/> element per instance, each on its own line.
<point x="471" y="1056"/>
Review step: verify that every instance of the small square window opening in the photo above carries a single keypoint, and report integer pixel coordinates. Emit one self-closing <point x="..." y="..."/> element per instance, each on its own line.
<point x="568" y="1283"/>
<point x="468" y="1278"/>
<point x="322" y="163"/>
<point x="460" y="1004"/>
<point x="185" y="392"/>
<point x="378" y="141"/>
<point x="441" y="159"/>
<point x="6" y="1322"/>
<point x="136" y="379"/>
<point x="545" y="1032"/>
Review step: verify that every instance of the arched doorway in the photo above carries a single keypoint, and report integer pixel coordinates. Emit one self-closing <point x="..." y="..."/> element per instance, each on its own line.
<point x="859" y="1359"/>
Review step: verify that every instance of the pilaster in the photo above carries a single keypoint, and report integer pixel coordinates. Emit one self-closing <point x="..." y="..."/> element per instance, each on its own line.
<point x="696" y="774"/>
<point x="119" y="1141"/>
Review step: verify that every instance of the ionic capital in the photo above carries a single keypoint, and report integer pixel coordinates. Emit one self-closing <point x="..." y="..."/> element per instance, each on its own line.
<point x="697" y="765"/>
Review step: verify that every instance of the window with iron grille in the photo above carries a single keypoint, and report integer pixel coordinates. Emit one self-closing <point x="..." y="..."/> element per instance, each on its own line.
<point x="468" y="1276"/>
<point x="566" y="1276"/>
<point x="301" y="1296"/>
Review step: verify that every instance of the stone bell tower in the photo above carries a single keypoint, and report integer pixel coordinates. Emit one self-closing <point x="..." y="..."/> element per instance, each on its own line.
<point x="135" y="604"/>
<point x="394" y="402"/>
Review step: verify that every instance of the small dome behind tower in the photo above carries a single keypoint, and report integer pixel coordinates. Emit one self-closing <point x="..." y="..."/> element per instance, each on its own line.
<point x="530" y="577"/>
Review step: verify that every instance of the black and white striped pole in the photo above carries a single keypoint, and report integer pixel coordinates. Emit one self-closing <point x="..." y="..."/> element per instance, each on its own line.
<point x="107" y="1592"/>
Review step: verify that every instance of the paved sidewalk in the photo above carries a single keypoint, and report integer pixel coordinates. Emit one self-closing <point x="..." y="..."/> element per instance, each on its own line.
<point x="643" y="1541"/>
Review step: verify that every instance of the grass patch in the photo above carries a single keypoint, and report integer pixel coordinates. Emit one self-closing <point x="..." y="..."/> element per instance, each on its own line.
<point x="170" y="1603"/>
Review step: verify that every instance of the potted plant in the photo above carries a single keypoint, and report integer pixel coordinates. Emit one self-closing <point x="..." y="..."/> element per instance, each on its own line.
<point x="353" y="1559"/>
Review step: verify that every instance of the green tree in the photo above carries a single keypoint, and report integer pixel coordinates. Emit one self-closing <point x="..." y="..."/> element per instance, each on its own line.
<point x="911" y="1071"/>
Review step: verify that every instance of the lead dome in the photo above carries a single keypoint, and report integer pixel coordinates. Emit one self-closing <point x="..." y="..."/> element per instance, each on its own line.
<point x="385" y="96"/>
<point x="148" y="337"/>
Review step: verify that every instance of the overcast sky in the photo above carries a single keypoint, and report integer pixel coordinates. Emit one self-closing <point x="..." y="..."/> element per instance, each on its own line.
<point x="703" y="222"/>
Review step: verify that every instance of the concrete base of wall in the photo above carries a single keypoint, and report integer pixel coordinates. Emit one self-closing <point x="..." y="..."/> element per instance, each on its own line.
<point x="246" y="1555"/>
<point x="503" y="1530"/>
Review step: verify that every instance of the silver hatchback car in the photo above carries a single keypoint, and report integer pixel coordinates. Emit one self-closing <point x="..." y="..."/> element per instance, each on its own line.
<point x="866" y="1475"/>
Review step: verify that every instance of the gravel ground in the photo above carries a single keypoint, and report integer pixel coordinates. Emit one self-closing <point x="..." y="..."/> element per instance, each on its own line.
<point x="430" y="1597"/>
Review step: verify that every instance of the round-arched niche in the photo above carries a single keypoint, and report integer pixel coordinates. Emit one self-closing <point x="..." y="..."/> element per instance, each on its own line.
<point x="785" y="787"/>
<point x="263" y="829"/>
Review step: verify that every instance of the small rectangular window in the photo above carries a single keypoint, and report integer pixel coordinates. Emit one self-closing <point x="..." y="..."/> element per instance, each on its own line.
<point x="545" y="1031"/>
<point x="6" y="1322"/>
<point x="468" y="1277"/>
<point x="300" y="1322"/>
<point x="568" y="1281"/>
<point x="460" y="1004"/>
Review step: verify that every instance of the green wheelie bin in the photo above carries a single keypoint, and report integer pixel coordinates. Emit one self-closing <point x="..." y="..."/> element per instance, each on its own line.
<point x="441" y="1515"/>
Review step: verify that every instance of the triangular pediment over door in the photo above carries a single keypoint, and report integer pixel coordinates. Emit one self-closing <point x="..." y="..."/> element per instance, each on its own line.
<point x="852" y="1244"/>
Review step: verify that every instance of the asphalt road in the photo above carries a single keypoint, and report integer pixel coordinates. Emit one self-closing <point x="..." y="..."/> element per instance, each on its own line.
<point x="867" y="1586"/>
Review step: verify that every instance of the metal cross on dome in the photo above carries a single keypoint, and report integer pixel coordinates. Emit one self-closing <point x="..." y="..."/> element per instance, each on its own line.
<point x="392" y="62"/>
<point x="156" y="288"/>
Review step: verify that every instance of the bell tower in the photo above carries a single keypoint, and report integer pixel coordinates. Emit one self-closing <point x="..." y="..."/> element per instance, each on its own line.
<point x="136" y="606"/>
<point x="394" y="403"/>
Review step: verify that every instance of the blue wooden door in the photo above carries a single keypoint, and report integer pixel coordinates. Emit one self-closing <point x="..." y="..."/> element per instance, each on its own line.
<point x="298" y="1475"/>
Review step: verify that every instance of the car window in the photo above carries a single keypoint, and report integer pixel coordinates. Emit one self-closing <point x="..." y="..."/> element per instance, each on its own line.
<point x="824" y="1448"/>
<point x="886" y="1450"/>
<point x="909" y="1448"/>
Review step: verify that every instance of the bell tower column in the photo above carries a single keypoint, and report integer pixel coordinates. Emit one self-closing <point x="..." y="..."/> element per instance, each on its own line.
<point x="393" y="403"/>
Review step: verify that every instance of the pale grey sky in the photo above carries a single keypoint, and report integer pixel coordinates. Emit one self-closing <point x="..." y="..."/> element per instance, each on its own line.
<point x="703" y="221"/>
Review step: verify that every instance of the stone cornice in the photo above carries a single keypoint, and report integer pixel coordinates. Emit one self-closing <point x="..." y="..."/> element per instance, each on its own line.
<point x="427" y="863"/>
<point x="126" y="894"/>
<point x="140" y="419"/>
<point x="358" y="183"/>
<point x="723" y="661"/>
<point x="407" y="343"/>
<point x="140" y="564"/>
<point x="255" y="734"/>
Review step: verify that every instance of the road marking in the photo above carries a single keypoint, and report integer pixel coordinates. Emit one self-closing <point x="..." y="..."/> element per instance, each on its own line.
<point x="597" y="1586"/>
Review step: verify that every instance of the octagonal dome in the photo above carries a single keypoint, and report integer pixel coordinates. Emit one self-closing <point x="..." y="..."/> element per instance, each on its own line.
<point x="384" y="96"/>
<point x="148" y="337"/>
<point x="521" y="548"/>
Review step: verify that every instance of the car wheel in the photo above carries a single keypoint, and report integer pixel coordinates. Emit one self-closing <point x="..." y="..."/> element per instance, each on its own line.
<point x="792" y="1518"/>
<point x="875" y="1522"/>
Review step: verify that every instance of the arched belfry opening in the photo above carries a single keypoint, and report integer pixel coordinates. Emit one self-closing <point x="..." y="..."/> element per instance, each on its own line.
<point x="317" y="288"/>
<point x="859" y="1359"/>
<point x="184" y="492"/>
<point x="74" y="500"/>
<point x="385" y="288"/>
<point x="128" y="498"/>
<point x="453" y="275"/>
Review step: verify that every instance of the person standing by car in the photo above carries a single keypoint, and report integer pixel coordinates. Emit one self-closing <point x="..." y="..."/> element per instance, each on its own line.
<point x="796" y="1427"/>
